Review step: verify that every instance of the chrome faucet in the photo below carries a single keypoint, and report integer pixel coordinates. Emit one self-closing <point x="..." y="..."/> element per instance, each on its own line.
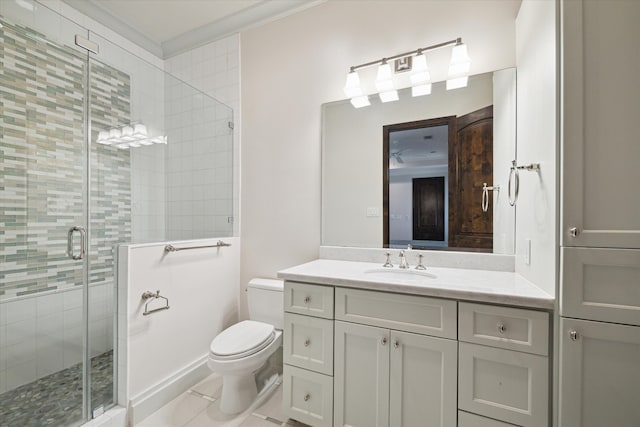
<point x="403" y="260"/>
<point x="387" y="263"/>
<point x="420" y="266"/>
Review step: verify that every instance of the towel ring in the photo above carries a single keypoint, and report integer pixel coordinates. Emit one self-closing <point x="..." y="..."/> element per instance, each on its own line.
<point x="485" y="195"/>
<point x="533" y="167"/>
<point x="513" y="195"/>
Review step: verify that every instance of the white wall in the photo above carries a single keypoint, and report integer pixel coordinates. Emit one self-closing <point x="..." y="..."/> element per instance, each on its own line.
<point x="292" y="66"/>
<point x="504" y="151"/>
<point x="202" y="288"/>
<point x="537" y="205"/>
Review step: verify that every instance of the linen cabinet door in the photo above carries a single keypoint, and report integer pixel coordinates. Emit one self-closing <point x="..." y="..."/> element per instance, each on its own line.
<point x="423" y="381"/>
<point x="361" y="376"/>
<point x="599" y="374"/>
<point x="600" y="203"/>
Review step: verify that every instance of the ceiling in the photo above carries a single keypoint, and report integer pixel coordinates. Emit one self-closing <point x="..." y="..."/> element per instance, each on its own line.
<point x="421" y="147"/>
<point x="169" y="27"/>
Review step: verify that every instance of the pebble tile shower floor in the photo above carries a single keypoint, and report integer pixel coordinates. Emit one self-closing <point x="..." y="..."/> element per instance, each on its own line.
<point x="56" y="400"/>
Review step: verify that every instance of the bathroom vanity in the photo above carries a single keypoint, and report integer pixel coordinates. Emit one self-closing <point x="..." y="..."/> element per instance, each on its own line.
<point x="372" y="346"/>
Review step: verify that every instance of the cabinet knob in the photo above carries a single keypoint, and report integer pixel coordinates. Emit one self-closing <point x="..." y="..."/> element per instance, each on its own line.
<point x="307" y="397"/>
<point x="396" y="344"/>
<point x="307" y="300"/>
<point x="573" y="335"/>
<point x="384" y="341"/>
<point x="307" y="342"/>
<point x="574" y="231"/>
<point x="501" y="328"/>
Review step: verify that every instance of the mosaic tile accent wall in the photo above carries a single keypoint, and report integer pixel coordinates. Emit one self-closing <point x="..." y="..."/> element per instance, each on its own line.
<point x="42" y="158"/>
<point x="110" y="171"/>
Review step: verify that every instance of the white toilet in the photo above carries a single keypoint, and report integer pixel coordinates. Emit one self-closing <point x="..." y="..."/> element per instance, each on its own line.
<point x="240" y="350"/>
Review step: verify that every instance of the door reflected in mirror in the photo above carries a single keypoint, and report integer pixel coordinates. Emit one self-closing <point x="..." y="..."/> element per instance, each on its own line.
<point x="412" y="172"/>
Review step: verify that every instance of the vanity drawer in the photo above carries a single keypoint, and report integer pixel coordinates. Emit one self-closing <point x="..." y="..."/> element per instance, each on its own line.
<point x="510" y="328"/>
<point x="506" y="385"/>
<point x="308" y="343"/>
<point x="308" y="396"/>
<point x="310" y="300"/>
<point x="410" y="313"/>
<point x="466" y="419"/>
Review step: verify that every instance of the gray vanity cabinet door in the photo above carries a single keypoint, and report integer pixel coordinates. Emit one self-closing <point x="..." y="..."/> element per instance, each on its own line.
<point x="423" y="381"/>
<point x="599" y="374"/>
<point x="600" y="111"/>
<point x="361" y="376"/>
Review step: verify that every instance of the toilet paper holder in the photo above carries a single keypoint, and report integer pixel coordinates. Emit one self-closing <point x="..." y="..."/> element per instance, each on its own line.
<point x="150" y="297"/>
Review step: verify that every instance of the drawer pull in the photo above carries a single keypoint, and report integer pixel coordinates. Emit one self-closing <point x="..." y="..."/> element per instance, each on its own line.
<point x="384" y="341"/>
<point x="307" y="342"/>
<point x="307" y="397"/>
<point x="307" y="300"/>
<point x="501" y="328"/>
<point x="573" y="335"/>
<point x="396" y="344"/>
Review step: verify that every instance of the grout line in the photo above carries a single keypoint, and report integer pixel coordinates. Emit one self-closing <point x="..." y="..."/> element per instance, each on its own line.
<point x="268" y="418"/>
<point x="201" y="395"/>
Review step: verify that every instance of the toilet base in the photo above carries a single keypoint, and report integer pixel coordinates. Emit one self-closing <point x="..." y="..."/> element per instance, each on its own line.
<point x="238" y="392"/>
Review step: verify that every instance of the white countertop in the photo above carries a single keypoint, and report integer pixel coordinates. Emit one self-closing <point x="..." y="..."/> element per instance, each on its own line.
<point x="497" y="287"/>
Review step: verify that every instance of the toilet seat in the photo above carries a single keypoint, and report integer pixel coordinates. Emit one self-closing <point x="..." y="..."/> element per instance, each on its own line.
<point x="241" y="340"/>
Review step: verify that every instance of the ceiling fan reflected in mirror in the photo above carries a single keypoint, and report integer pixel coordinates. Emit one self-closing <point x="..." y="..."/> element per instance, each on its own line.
<point x="396" y="156"/>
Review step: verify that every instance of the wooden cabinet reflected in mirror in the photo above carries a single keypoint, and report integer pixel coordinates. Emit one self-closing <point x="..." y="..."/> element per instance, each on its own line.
<point x="433" y="173"/>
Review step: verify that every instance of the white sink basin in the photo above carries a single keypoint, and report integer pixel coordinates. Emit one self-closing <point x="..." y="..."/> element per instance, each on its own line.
<point x="399" y="274"/>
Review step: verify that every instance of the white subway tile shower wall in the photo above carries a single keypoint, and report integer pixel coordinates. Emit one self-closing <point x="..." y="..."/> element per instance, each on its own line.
<point x="215" y="70"/>
<point x="42" y="333"/>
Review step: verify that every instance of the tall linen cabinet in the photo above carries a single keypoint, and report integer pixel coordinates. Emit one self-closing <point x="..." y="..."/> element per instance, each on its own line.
<point x="600" y="214"/>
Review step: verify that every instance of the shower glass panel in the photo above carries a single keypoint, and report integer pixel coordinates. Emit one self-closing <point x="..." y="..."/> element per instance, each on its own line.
<point x="43" y="187"/>
<point x="116" y="149"/>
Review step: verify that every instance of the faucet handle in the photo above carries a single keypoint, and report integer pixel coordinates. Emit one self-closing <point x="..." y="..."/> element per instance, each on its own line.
<point x="420" y="266"/>
<point x="403" y="260"/>
<point x="387" y="263"/>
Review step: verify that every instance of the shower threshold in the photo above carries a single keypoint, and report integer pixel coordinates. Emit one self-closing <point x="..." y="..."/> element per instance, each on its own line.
<point x="56" y="400"/>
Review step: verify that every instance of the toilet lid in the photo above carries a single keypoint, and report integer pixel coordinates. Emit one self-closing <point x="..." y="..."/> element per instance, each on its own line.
<point x="242" y="339"/>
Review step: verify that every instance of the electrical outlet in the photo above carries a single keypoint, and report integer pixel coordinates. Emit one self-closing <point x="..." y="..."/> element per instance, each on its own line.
<point x="527" y="251"/>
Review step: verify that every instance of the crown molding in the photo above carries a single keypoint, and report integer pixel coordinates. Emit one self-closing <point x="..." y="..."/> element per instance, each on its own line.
<point x="93" y="10"/>
<point x="253" y="16"/>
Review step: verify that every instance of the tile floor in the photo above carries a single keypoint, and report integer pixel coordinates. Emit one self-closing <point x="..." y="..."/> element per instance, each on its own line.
<point x="200" y="407"/>
<point x="56" y="399"/>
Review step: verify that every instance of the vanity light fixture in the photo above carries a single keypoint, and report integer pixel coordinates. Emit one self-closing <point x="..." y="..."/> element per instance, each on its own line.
<point x="416" y="62"/>
<point x="129" y="137"/>
<point x="459" y="67"/>
<point x="420" y="84"/>
<point x="384" y="83"/>
<point x="353" y="90"/>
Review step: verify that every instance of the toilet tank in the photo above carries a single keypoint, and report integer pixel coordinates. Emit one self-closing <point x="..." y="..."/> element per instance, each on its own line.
<point x="265" y="299"/>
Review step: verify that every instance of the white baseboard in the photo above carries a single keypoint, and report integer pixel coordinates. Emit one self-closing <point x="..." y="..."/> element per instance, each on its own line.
<point x="163" y="392"/>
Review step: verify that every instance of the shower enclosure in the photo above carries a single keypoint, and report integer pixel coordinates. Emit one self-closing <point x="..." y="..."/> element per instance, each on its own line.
<point x="97" y="148"/>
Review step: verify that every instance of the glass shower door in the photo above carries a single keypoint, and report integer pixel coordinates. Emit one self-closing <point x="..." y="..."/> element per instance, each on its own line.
<point x="43" y="217"/>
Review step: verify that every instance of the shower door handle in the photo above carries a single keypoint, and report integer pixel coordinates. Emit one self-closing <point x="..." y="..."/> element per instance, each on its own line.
<point x="83" y="235"/>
